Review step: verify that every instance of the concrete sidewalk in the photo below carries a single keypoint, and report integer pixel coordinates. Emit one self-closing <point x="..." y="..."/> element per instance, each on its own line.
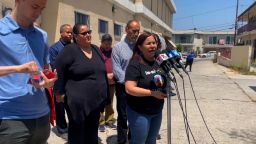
<point x="225" y="99"/>
<point x="245" y="82"/>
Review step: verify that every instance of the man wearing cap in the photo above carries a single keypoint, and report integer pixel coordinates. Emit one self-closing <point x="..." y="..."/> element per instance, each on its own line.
<point x="106" y="49"/>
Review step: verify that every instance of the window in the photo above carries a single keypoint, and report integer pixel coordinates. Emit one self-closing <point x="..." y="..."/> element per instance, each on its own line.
<point x="103" y="26"/>
<point x="117" y="30"/>
<point x="228" y="40"/>
<point x="212" y="40"/>
<point x="81" y="18"/>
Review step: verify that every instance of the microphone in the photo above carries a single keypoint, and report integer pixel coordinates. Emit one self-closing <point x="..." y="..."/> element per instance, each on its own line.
<point x="173" y="53"/>
<point x="173" y="62"/>
<point x="162" y="61"/>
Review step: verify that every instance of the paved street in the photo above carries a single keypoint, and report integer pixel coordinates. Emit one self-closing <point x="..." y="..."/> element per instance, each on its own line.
<point x="226" y="101"/>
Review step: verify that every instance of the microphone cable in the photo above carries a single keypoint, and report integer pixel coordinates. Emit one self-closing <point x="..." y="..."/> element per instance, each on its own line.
<point x="200" y="110"/>
<point x="184" y="114"/>
<point x="185" y="99"/>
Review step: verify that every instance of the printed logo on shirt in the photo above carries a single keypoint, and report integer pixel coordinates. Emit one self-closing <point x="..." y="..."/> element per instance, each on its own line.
<point x="159" y="81"/>
<point x="150" y="72"/>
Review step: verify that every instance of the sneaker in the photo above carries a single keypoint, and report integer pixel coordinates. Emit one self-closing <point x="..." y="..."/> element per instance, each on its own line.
<point x="158" y="137"/>
<point x="172" y="94"/>
<point x="112" y="126"/>
<point x="62" y="130"/>
<point x="102" y="128"/>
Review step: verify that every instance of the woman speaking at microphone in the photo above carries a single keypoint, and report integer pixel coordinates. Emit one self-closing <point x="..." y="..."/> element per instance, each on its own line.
<point x="145" y="86"/>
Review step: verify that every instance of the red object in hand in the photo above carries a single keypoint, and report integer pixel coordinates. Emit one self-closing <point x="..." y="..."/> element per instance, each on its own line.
<point x="49" y="74"/>
<point x="35" y="78"/>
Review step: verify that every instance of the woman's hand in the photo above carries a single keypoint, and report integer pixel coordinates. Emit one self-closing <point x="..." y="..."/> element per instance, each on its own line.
<point x="158" y="94"/>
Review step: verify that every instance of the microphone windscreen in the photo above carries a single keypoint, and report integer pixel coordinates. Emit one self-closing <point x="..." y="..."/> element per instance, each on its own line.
<point x="157" y="53"/>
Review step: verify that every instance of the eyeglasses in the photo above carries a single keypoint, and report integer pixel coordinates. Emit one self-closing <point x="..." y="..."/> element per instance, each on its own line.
<point x="86" y="33"/>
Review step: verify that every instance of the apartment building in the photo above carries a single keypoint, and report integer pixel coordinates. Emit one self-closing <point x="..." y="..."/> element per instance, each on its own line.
<point x="246" y="34"/>
<point x="104" y="16"/>
<point x="203" y="41"/>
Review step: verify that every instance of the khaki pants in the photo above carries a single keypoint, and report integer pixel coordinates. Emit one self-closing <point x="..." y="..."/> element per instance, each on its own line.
<point x="109" y="111"/>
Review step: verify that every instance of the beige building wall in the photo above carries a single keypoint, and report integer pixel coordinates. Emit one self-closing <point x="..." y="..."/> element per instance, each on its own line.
<point x="198" y="42"/>
<point x="240" y="56"/>
<point x="6" y="4"/>
<point x="58" y="12"/>
<point x="49" y="20"/>
<point x="95" y="9"/>
<point x="160" y="8"/>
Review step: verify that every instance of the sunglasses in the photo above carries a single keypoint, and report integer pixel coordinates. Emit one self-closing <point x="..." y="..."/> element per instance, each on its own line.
<point x="86" y="33"/>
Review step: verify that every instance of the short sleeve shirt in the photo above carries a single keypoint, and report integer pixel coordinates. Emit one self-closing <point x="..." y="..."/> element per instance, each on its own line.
<point x="148" y="76"/>
<point x="19" y="99"/>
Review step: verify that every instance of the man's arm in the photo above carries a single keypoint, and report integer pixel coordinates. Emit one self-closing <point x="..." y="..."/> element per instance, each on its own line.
<point x="29" y="67"/>
<point x="118" y="72"/>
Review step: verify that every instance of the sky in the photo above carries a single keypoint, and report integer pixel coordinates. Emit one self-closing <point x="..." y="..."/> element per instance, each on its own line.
<point x="207" y="15"/>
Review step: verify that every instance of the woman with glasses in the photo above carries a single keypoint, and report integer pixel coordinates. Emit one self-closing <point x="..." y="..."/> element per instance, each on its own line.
<point x="145" y="86"/>
<point x="82" y="81"/>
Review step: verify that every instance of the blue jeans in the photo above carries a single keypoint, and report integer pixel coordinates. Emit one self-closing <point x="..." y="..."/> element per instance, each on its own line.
<point x="144" y="128"/>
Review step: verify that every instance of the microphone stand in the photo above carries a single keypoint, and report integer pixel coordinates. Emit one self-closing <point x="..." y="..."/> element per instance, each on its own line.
<point x="170" y="77"/>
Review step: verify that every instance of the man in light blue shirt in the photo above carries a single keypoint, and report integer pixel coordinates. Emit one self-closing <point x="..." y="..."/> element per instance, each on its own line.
<point x="24" y="109"/>
<point x="121" y="55"/>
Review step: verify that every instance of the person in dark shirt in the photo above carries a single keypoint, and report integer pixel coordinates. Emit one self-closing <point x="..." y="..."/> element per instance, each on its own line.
<point x="82" y="80"/>
<point x="106" y="49"/>
<point x="65" y="39"/>
<point x="145" y="85"/>
<point x="189" y="60"/>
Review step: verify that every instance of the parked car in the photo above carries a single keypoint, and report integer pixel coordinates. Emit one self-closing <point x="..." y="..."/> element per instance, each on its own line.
<point x="209" y="54"/>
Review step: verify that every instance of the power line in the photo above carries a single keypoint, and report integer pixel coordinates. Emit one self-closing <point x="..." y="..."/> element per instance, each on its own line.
<point x="216" y="25"/>
<point x="213" y="27"/>
<point x="224" y="29"/>
<point x="230" y="25"/>
<point x="207" y="12"/>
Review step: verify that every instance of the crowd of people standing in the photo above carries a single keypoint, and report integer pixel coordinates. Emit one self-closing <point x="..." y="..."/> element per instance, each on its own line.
<point x="86" y="78"/>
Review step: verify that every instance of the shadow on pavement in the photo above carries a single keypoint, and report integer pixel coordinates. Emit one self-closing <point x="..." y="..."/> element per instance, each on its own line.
<point x="247" y="136"/>
<point x="112" y="139"/>
<point x="63" y="136"/>
<point x="253" y="88"/>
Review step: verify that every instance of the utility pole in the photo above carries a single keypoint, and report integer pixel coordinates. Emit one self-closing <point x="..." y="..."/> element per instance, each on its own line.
<point x="236" y="21"/>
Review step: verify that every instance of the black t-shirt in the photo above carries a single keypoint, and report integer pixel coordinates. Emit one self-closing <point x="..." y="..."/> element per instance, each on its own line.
<point x="148" y="76"/>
